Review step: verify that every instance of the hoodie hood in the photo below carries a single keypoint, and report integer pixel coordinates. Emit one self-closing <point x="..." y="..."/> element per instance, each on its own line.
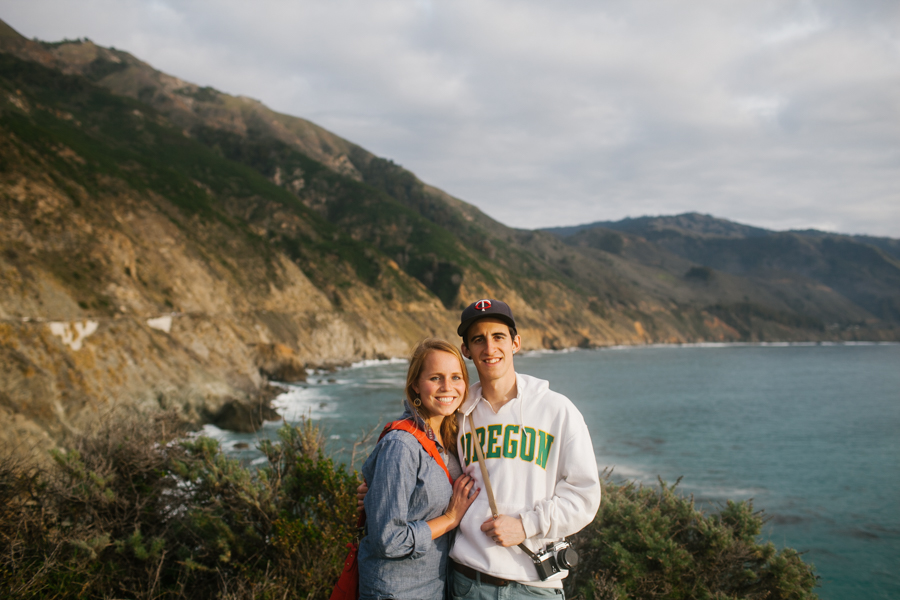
<point x="527" y="386"/>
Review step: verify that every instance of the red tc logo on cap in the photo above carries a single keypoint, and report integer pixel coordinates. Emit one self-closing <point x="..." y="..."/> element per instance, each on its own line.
<point x="482" y="305"/>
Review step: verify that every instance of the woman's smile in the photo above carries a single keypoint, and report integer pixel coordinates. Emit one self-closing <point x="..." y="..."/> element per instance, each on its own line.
<point x="441" y="386"/>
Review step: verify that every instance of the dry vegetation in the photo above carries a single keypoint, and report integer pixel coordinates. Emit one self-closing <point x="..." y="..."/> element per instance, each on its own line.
<point x="136" y="510"/>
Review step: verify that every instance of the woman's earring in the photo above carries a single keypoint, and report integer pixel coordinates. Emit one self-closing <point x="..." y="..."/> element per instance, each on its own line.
<point x="417" y="402"/>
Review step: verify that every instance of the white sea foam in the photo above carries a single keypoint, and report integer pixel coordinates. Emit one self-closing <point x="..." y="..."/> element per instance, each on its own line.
<point x="374" y="362"/>
<point x="622" y="472"/>
<point x="721" y="493"/>
<point x="226" y="439"/>
<point x="626" y="473"/>
<point x="323" y="380"/>
<point x="299" y="402"/>
<point x="383" y="382"/>
<point x="543" y="351"/>
<point x="728" y="345"/>
<point x="210" y="430"/>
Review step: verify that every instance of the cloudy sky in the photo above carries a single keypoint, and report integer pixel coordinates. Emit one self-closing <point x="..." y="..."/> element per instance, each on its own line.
<point x="777" y="113"/>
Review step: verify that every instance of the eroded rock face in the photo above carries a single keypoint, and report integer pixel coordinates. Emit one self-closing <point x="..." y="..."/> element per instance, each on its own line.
<point x="278" y="362"/>
<point x="142" y="269"/>
<point x="120" y="300"/>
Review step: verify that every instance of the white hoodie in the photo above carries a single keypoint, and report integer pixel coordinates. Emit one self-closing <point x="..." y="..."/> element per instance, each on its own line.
<point x="542" y="467"/>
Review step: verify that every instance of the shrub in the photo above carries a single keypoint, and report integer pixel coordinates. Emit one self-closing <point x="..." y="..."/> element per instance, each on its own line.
<point x="132" y="511"/>
<point x="135" y="510"/>
<point x="700" y="274"/>
<point x="647" y="543"/>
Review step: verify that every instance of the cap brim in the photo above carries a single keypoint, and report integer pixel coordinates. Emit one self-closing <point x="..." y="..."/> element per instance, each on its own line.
<point x="464" y="326"/>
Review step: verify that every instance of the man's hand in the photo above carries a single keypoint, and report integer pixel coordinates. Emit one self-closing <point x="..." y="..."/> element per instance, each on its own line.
<point x="506" y="531"/>
<point x="360" y="495"/>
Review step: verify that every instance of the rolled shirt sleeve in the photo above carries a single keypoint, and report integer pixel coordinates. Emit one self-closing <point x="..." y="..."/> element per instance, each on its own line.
<point x="391" y="478"/>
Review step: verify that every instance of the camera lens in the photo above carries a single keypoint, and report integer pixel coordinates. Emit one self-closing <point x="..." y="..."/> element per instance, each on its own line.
<point x="567" y="558"/>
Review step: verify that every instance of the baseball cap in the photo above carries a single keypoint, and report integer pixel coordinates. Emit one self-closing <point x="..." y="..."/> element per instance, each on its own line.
<point x="485" y="308"/>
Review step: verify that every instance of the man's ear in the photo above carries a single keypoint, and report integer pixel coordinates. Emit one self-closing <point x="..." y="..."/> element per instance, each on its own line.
<point x="465" y="350"/>
<point x="516" y="343"/>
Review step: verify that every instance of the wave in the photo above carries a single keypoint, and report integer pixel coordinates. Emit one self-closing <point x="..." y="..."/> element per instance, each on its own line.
<point x="374" y="362"/>
<point x="726" y="345"/>
<point x="230" y="442"/>
<point x="719" y="493"/>
<point x="299" y="402"/>
<point x="544" y="351"/>
<point x="622" y="473"/>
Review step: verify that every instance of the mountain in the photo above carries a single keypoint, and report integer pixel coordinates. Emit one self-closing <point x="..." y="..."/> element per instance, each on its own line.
<point x="693" y="224"/>
<point x="165" y="245"/>
<point x="838" y="279"/>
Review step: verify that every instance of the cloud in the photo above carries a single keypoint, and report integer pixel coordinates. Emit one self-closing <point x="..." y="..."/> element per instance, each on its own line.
<point x="777" y="114"/>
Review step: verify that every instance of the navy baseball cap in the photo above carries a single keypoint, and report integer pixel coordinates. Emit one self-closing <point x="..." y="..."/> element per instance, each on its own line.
<point x="485" y="308"/>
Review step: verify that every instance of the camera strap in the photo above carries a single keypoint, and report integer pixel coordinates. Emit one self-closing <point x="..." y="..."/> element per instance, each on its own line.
<point x="487" y="481"/>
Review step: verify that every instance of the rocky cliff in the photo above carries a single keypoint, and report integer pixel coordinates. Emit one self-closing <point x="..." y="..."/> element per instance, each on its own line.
<point x="164" y="245"/>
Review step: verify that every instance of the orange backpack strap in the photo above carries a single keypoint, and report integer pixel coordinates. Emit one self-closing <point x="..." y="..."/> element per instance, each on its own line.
<point x="430" y="447"/>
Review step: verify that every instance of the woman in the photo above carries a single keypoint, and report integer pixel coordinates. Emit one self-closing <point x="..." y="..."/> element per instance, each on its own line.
<point x="411" y="504"/>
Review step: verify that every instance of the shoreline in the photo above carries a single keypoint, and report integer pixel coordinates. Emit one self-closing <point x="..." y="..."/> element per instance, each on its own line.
<point x="525" y="353"/>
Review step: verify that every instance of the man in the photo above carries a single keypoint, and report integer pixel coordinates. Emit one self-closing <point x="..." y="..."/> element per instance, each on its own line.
<point x="539" y="458"/>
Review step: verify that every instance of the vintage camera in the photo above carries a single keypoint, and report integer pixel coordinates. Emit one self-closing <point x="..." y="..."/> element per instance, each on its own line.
<point x="552" y="560"/>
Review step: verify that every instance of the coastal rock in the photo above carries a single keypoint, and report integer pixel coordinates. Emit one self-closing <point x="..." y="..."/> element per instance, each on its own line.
<point x="243" y="417"/>
<point x="143" y="267"/>
<point x="278" y="362"/>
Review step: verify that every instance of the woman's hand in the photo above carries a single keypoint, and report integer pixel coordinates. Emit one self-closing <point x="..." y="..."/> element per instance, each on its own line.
<point x="461" y="500"/>
<point x="360" y="496"/>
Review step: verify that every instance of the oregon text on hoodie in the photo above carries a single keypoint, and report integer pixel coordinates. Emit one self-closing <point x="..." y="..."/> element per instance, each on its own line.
<point x="542" y="468"/>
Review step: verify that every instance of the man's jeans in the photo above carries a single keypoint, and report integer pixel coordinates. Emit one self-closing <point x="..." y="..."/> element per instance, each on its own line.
<point x="463" y="588"/>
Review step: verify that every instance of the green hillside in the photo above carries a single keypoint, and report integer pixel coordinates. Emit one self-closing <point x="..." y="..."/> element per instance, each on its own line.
<point x="88" y="141"/>
<point x="166" y="245"/>
<point x="468" y="254"/>
<point x="864" y="272"/>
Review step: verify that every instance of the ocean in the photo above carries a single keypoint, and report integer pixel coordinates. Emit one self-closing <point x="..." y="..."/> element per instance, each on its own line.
<point x="809" y="432"/>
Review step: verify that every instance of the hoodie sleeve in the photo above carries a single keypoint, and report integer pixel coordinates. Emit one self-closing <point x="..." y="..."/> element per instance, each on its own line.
<point x="576" y="497"/>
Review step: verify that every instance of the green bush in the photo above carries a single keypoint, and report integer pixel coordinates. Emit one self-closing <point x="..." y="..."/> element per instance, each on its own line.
<point x="647" y="543"/>
<point x="132" y="511"/>
<point x="136" y="510"/>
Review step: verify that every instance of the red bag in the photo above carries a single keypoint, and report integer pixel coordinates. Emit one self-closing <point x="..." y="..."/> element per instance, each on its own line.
<point x="347" y="586"/>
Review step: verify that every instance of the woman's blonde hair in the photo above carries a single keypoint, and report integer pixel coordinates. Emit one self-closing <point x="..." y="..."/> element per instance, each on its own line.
<point x="450" y="425"/>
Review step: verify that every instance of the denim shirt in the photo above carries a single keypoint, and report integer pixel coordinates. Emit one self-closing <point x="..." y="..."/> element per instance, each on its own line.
<point x="407" y="488"/>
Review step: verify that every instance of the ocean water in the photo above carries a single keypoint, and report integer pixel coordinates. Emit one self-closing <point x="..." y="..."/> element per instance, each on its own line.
<point x="811" y="433"/>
